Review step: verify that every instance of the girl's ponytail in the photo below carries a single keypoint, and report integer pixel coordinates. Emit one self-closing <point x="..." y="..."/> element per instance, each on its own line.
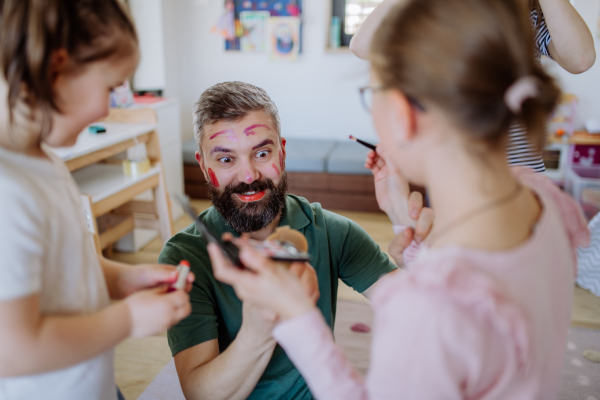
<point x="536" y="109"/>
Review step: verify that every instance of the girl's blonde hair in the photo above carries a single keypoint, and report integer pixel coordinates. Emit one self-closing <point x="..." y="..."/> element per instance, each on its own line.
<point x="31" y="31"/>
<point x="462" y="56"/>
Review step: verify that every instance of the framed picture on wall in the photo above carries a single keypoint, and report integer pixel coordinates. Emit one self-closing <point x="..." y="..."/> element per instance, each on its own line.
<point x="249" y="16"/>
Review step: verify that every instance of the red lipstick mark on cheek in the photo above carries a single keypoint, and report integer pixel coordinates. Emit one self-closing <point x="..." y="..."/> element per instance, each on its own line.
<point x="275" y="168"/>
<point x="213" y="178"/>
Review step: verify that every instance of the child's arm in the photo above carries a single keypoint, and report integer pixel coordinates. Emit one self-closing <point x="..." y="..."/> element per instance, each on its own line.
<point x="124" y="279"/>
<point x="572" y="45"/>
<point x="32" y="343"/>
<point x="361" y="41"/>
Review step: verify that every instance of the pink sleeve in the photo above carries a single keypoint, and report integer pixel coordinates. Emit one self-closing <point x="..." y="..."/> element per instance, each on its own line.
<point x="308" y="342"/>
<point x="423" y="348"/>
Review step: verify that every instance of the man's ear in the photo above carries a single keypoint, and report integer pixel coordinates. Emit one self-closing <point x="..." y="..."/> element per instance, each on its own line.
<point x="283" y="150"/>
<point x="404" y="117"/>
<point x="201" y="164"/>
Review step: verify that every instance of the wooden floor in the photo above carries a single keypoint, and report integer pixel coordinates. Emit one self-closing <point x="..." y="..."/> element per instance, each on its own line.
<point x="138" y="361"/>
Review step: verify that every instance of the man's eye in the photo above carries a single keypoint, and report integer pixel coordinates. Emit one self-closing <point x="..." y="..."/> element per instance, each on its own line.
<point x="262" y="154"/>
<point x="225" y="160"/>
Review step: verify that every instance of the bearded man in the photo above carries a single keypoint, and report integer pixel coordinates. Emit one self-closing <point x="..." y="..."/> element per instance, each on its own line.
<point x="224" y="349"/>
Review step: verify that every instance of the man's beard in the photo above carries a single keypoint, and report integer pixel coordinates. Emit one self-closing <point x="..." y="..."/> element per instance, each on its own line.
<point x="252" y="216"/>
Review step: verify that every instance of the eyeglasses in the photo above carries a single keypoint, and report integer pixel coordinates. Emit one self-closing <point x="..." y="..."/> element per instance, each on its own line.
<point x="367" y="92"/>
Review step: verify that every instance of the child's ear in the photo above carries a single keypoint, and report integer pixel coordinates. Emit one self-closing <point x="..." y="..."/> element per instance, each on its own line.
<point x="59" y="62"/>
<point x="404" y="116"/>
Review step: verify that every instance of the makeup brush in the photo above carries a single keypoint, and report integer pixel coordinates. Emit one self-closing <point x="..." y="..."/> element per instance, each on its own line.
<point x="369" y="145"/>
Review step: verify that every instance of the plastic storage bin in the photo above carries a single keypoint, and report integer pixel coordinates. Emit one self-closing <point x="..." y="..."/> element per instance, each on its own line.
<point x="584" y="185"/>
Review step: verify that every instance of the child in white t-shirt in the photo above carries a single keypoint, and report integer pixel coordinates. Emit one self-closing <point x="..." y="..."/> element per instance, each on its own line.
<point x="59" y="60"/>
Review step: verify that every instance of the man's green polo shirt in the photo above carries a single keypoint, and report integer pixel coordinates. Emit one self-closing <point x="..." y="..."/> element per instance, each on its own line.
<point x="339" y="248"/>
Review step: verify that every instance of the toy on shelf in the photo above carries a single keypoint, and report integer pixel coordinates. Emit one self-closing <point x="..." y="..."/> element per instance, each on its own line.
<point x="582" y="178"/>
<point x="562" y="124"/>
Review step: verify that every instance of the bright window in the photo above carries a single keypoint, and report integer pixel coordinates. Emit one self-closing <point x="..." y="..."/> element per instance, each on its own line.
<point x="356" y="12"/>
<point x="352" y="13"/>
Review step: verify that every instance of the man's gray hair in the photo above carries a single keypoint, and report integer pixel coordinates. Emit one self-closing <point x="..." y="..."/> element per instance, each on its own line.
<point x="231" y="101"/>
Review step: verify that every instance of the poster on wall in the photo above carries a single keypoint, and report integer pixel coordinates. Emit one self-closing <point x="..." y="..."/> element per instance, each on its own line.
<point x="248" y="21"/>
<point x="284" y="36"/>
<point x="255" y="25"/>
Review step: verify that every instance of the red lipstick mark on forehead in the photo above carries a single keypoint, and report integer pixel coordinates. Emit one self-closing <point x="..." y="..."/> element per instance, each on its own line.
<point x="250" y="130"/>
<point x="275" y="168"/>
<point x="221" y="133"/>
<point x="213" y="178"/>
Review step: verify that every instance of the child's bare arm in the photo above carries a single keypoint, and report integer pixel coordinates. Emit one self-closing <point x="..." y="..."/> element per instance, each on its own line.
<point x="572" y="44"/>
<point x="32" y="343"/>
<point x="124" y="279"/>
<point x="361" y="42"/>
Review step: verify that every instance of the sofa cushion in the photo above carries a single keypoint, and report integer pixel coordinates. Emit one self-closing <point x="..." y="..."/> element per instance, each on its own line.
<point x="348" y="158"/>
<point x="307" y="155"/>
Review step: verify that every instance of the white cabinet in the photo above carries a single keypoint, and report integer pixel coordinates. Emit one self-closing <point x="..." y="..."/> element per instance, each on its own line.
<point x="169" y="133"/>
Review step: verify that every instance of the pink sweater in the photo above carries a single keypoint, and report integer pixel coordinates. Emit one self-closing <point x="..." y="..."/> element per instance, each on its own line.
<point x="461" y="323"/>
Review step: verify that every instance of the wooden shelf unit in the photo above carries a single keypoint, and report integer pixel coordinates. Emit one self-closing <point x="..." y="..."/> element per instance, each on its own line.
<point x="108" y="195"/>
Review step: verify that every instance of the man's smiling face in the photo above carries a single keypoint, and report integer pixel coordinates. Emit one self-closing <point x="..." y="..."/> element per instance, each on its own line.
<point x="244" y="161"/>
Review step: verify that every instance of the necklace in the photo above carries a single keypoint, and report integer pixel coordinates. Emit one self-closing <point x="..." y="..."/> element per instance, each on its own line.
<point x="471" y="214"/>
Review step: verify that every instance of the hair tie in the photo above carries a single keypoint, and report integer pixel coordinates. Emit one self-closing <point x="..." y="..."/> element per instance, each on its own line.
<point x="522" y="89"/>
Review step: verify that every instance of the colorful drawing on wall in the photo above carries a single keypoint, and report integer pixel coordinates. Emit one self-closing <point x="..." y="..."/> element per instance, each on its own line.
<point x="275" y="8"/>
<point x="255" y="25"/>
<point x="225" y="25"/>
<point x="285" y="38"/>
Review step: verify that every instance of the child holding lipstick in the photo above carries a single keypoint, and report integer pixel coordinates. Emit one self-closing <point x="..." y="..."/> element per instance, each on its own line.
<point x="484" y="311"/>
<point x="59" y="60"/>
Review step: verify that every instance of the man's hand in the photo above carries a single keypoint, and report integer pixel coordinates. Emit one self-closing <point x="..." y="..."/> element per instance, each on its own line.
<point x="257" y="324"/>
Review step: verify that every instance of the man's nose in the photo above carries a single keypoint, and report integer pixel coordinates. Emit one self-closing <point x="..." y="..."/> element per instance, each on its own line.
<point x="249" y="173"/>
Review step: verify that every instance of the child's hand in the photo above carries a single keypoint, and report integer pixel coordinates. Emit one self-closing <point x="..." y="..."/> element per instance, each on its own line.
<point x="392" y="191"/>
<point x="146" y="276"/>
<point x="154" y="310"/>
<point x="266" y="283"/>
<point x="307" y="276"/>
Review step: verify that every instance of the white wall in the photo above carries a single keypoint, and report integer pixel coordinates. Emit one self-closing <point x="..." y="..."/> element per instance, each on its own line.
<point x="317" y="96"/>
<point x="150" y="74"/>
<point x="587" y="85"/>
